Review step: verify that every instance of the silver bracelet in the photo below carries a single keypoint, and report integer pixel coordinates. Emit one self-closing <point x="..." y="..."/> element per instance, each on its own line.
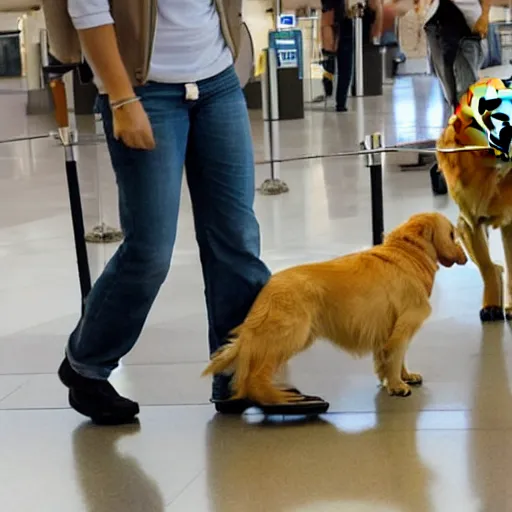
<point x="115" y="105"/>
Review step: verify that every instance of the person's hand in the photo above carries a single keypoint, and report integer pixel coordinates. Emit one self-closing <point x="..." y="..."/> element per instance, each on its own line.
<point x="132" y="126"/>
<point x="376" y="37"/>
<point x="481" y="26"/>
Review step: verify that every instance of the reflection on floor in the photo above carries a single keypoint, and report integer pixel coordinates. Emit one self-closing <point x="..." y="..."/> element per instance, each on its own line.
<point x="445" y="449"/>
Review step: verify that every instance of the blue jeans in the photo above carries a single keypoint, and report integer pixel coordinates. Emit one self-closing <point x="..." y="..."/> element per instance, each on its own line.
<point x="456" y="54"/>
<point x="211" y="138"/>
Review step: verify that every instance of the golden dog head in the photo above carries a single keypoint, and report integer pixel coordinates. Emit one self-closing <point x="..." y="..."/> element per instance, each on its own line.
<point x="439" y="235"/>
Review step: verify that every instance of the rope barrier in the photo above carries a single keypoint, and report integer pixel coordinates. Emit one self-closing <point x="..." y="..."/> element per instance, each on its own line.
<point x="23" y="139"/>
<point x="399" y="148"/>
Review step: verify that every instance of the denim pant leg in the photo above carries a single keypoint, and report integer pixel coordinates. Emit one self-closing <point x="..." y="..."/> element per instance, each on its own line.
<point x="442" y="52"/>
<point x="220" y="174"/>
<point x="468" y="61"/>
<point x="149" y="184"/>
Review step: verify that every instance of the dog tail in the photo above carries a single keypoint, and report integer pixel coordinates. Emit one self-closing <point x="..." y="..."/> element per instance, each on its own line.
<point x="261" y="345"/>
<point x="223" y="361"/>
<point x="240" y="356"/>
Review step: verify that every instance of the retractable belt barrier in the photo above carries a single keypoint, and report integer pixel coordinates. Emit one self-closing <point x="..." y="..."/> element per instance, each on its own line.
<point x="371" y="148"/>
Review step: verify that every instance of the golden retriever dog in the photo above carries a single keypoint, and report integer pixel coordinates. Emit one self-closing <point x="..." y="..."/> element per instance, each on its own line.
<point x="368" y="302"/>
<point x="480" y="182"/>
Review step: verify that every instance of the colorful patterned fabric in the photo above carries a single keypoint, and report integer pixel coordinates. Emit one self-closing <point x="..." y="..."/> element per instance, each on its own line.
<point x="484" y="116"/>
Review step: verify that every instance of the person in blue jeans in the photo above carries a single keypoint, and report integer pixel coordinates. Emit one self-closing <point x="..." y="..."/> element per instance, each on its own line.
<point x="188" y="112"/>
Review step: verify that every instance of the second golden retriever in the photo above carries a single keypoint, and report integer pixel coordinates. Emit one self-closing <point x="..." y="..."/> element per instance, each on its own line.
<point x="368" y="302"/>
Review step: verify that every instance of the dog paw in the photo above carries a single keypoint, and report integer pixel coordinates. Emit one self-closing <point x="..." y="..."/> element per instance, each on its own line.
<point x="492" y="314"/>
<point x="413" y="379"/>
<point x="401" y="389"/>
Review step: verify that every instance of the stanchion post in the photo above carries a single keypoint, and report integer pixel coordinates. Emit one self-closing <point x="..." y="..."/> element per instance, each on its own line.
<point x="273" y="185"/>
<point x="374" y="163"/>
<point x="358" y="11"/>
<point x="58" y="89"/>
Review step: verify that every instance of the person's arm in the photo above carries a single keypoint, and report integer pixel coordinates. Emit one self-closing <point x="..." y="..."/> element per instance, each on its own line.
<point x="100" y="48"/>
<point x="482" y="24"/>
<point x="328" y="31"/>
<point x="376" y="7"/>
<point x="95" y="26"/>
<point x="327" y="27"/>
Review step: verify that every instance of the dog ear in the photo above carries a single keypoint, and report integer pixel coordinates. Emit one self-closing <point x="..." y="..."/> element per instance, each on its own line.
<point x="448" y="249"/>
<point x="427" y="230"/>
<point x="419" y="226"/>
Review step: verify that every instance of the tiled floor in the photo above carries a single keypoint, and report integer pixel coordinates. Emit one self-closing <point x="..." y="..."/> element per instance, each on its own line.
<point x="445" y="449"/>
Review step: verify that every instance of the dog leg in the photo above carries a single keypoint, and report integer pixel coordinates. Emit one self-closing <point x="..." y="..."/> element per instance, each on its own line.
<point x="267" y="362"/>
<point x="413" y="379"/>
<point x="396" y="377"/>
<point x="380" y="363"/>
<point x="506" y="237"/>
<point x="475" y="242"/>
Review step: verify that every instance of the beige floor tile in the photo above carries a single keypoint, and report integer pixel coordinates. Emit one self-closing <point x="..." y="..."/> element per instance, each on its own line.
<point x="183" y="459"/>
<point x="9" y="384"/>
<point x="444" y="449"/>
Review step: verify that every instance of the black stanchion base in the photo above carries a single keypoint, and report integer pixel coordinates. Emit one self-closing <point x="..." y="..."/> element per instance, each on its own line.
<point x="437" y="182"/>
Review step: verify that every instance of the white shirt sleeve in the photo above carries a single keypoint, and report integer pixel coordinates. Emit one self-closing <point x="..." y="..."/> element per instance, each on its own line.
<point x="90" y="13"/>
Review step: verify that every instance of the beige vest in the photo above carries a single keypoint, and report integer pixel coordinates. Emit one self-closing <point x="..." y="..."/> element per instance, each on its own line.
<point x="135" y="28"/>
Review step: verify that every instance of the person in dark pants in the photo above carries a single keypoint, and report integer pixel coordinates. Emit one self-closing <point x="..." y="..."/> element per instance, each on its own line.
<point x="455" y="30"/>
<point x="338" y="50"/>
<point x="338" y="44"/>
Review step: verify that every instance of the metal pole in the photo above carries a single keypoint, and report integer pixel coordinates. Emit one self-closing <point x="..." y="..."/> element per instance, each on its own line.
<point x="45" y="58"/>
<point x="277" y="13"/>
<point x="61" y="115"/>
<point x="273" y="185"/>
<point x="374" y="163"/>
<point x="359" y="69"/>
<point x="273" y="106"/>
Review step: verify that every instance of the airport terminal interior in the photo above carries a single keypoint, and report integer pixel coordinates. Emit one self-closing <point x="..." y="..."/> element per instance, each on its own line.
<point x="443" y="449"/>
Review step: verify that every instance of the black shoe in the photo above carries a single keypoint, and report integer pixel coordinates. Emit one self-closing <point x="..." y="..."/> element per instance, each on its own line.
<point x="97" y="399"/>
<point x="306" y="406"/>
<point x="341" y="109"/>
<point x="437" y="181"/>
<point x="235" y="407"/>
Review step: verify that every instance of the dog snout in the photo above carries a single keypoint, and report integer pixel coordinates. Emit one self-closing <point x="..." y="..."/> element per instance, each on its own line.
<point x="462" y="259"/>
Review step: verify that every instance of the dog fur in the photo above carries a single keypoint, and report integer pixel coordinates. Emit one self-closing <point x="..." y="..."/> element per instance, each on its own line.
<point x="368" y="302"/>
<point x="481" y="185"/>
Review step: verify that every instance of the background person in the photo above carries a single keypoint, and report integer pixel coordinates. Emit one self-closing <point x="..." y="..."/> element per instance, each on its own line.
<point x="338" y="44"/>
<point x="456" y="31"/>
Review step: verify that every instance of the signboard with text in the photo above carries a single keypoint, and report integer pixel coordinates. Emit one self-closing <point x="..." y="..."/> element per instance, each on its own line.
<point x="288" y="47"/>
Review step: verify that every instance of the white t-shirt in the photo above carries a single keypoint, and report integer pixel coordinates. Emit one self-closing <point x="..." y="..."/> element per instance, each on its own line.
<point x="188" y="44"/>
<point x="471" y="10"/>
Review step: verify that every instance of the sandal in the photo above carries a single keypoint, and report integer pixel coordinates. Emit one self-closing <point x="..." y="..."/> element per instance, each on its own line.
<point x="306" y="406"/>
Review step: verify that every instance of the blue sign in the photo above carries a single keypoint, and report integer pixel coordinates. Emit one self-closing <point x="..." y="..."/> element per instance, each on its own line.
<point x="288" y="47"/>
<point x="287" y="21"/>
